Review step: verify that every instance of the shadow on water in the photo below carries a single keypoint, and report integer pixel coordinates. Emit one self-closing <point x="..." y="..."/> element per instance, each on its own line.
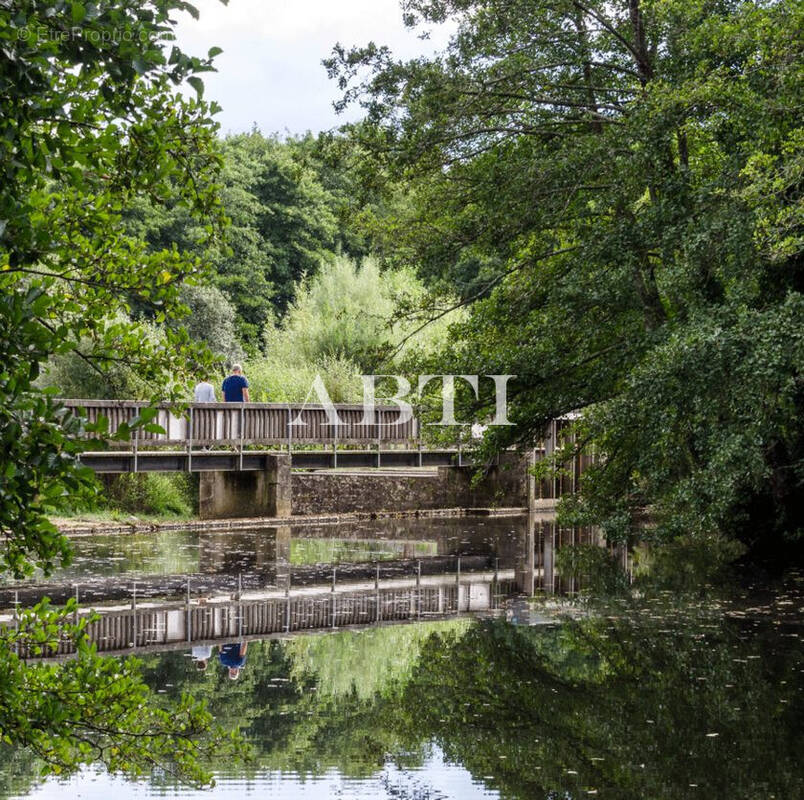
<point x="651" y="694"/>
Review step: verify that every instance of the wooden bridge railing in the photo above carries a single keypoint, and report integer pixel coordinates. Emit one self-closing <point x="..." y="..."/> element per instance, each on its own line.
<point x="252" y="423"/>
<point x="172" y="624"/>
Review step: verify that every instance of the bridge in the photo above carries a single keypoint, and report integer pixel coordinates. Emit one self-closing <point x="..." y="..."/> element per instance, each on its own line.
<point x="249" y="585"/>
<point x="260" y="459"/>
<point x="236" y="430"/>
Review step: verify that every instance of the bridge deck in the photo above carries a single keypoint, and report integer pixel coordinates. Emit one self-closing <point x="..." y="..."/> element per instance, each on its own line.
<point x="223" y="460"/>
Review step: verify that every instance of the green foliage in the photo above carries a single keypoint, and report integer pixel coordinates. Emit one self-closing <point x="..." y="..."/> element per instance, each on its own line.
<point x="594" y="567"/>
<point x="212" y="320"/>
<point x="169" y="494"/>
<point x="90" y="123"/>
<point x="75" y="373"/>
<point x="340" y="325"/>
<point x="687" y="563"/>
<point x="625" y="701"/>
<point x="615" y="190"/>
<point x="275" y="380"/>
<point x="338" y="551"/>
<point x="346" y="311"/>
<point x="281" y="223"/>
<point x="364" y="663"/>
<point x="92" y="709"/>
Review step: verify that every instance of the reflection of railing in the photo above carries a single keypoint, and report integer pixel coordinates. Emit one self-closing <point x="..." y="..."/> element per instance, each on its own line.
<point x="120" y="630"/>
<point x="252" y="423"/>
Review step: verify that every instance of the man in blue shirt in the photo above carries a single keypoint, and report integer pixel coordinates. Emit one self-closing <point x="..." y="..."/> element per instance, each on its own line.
<point x="233" y="657"/>
<point x="235" y="387"/>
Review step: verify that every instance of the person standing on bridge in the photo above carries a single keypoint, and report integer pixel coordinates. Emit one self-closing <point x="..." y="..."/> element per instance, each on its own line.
<point x="204" y="392"/>
<point x="235" y="387"/>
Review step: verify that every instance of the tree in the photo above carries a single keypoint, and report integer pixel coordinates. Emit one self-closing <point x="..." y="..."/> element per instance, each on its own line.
<point x="90" y="120"/>
<point x="281" y="223"/>
<point x="615" y="190"/>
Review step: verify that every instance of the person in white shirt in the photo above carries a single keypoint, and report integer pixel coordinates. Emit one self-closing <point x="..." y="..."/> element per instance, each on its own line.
<point x="201" y="655"/>
<point x="204" y="392"/>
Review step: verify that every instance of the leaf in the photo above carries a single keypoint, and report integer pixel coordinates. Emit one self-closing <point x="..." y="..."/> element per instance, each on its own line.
<point x="78" y="12"/>
<point x="197" y="84"/>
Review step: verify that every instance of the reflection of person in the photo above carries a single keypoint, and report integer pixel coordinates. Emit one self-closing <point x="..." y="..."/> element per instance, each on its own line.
<point x="235" y="387"/>
<point x="233" y="656"/>
<point x="201" y="655"/>
<point x="204" y="392"/>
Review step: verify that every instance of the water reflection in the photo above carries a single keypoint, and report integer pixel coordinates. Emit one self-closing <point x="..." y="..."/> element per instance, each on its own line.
<point x="161" y="564"/>
<point x="660" y="696"/>
<point x="282" y="579"/>
<point x="654" y="695"/>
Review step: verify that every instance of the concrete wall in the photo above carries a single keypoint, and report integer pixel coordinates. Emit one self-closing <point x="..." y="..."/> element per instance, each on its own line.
<point x="449" y="487"/>
<point x="252" y="493"/>
<point x="276" y="492"/>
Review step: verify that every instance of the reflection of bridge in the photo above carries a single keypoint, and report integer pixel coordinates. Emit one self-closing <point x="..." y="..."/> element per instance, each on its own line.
<point x="468" y="572"/>
<point x="260" y="615"/>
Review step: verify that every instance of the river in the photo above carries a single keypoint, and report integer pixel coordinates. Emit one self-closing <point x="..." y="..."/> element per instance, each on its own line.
<point x="655" y="688"/>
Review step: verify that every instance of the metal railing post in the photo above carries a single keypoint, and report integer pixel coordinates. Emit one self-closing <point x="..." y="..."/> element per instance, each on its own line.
<point x="458" y="587"/>
<point x="379" y="437"/>
<point x="134" y="614"/>
<point x="334" y="598"/>
<point x="418" y="588"/>
<point x="242" y="416"/>
<point x="189" y="615"/>
<point x="416" y="422"/>
<point x="190" y="441"/>
<point x="378" y="614"/>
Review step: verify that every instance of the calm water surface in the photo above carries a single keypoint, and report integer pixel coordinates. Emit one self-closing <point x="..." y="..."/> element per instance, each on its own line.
<point x="658" y="694"/>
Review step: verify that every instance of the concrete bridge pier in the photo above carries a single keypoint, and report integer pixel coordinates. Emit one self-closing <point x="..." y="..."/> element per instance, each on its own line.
<point x="248" y="493"/>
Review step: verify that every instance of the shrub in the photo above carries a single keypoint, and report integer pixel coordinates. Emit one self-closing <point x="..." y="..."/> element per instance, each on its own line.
<point x="168" y="494"/>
